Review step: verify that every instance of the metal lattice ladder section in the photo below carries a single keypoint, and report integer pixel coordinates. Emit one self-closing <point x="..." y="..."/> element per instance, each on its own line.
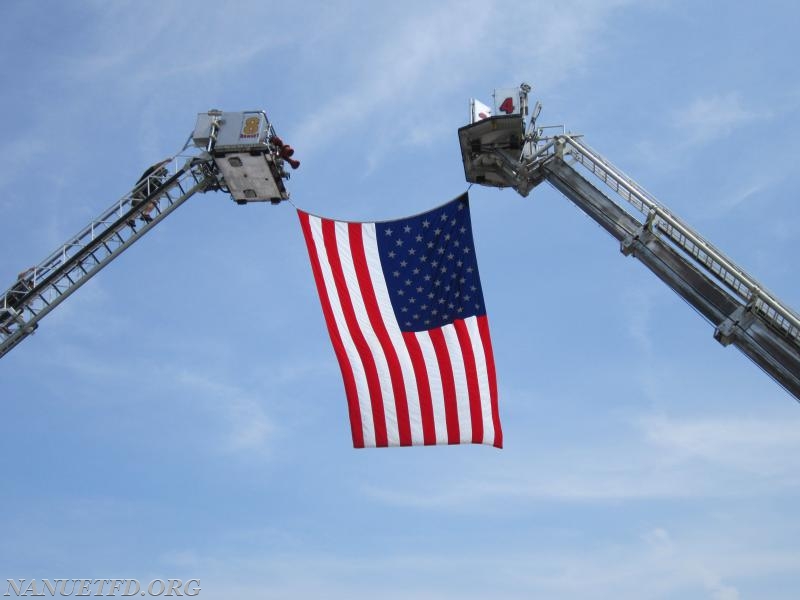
<point x="40" y="289"/>
<point x="742" y="311"/>
<point x="664" y="224"/>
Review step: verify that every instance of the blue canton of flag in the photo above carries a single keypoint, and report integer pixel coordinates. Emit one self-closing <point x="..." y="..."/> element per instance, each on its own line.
<point x="431" y="268"/>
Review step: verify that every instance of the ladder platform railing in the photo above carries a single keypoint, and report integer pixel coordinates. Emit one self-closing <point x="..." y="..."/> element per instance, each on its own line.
<point x="661" y="222"/>
<point x="40" y="289"/>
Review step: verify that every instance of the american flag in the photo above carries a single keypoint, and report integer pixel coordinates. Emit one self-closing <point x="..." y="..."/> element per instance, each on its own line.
<point x="405" y="312"/>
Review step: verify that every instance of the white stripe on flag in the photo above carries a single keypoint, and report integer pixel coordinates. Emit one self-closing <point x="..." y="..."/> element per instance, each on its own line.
<point x="362" y="317"/>
<point x="393" y="329"/>
<point x="359" y="372"/>
<point x="435" y="381"/>
<point x="483" y="379"/>
<point x="460" y="380"/>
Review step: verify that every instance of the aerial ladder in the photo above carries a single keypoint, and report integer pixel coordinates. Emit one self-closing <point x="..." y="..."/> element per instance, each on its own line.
<point x="236" y="152"/>
<point x="500" y="150"/>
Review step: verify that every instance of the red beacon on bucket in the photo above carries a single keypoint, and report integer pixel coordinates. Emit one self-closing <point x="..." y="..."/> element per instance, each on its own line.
<point x="285" y="151"/>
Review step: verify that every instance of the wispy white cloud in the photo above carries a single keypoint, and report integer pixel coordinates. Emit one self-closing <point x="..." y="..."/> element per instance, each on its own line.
<point x="242" y="426"/>
<point x="116" y="23"/>
<point x="18" y="155"/>
<point x="663" y="457"/>
<point x="709" y="118"/>
<point x="766" y="447"/>
<point x="651" y="563"/>
<point x="429" y="54"/>
<point x="697" y="123"/>
<point x="638" y="305"/>
<point x="249" y="427"/>
<point x="415" y="54"/>
<point x="186" y="46"/>
<point x="744" y="194"/>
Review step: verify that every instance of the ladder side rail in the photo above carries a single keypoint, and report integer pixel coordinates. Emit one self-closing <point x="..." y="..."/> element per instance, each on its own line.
<point x="721" y="267"/>
<point x="708" y="298"/>
<point x="781" y="317"/>
<point x="664" y="220"/>
<point x="95" y="232"/>
<point x="80" y="267"/>
<point x="602" y="161"/>
<point x="679" y="239"/>
<point x="771" y="310"/>
<point x="776" y="356"/>
<point x="113" y="237"/>
<point x="101" y="223"/>
<point x="646" y="203"/>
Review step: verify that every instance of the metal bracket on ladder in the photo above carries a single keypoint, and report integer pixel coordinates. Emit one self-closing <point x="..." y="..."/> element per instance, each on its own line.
<point x="630" y="243"/>
<point x="741" y="318"/>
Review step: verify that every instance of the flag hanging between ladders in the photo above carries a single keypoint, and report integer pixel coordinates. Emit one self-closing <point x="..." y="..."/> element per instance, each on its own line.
<point x="405" y="312"/>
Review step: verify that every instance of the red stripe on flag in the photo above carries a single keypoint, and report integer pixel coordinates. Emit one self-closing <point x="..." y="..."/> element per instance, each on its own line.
<point x="448" y="385"/>
<point x="483" y="327"/>
<point x="373" y="383"/>
<point x="423" y="388"/>
<point x="473" y="388"/>
<point x="333" y="332"/>
<point x="376" y="320"/>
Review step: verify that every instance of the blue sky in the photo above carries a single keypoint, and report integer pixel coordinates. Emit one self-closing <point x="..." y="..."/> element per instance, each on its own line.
<point x="182" y="415"/>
